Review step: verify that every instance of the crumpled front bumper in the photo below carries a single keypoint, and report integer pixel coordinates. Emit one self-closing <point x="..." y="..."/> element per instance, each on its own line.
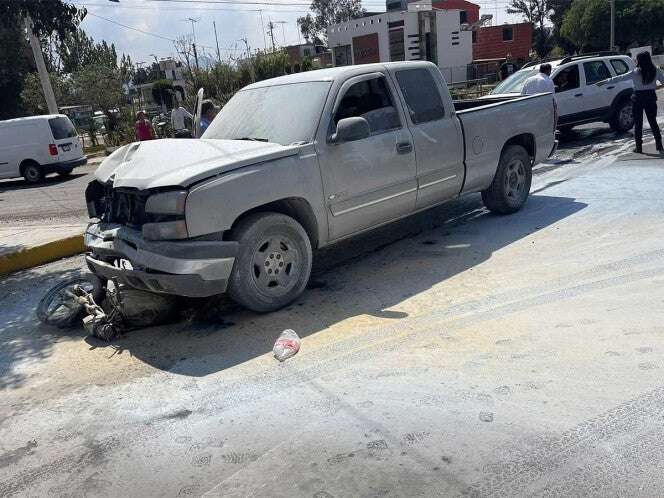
<point x="191" y="268"/>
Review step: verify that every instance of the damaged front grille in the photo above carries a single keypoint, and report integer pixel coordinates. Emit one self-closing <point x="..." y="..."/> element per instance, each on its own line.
<point x="123" y="206"/>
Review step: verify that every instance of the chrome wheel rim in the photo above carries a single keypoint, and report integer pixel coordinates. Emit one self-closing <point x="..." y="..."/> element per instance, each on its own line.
<point x="276" y="265"/>
<point x="515" y="180"/>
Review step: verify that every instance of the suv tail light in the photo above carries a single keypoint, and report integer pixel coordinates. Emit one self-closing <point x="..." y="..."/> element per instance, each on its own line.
<point x="53" y="149"/>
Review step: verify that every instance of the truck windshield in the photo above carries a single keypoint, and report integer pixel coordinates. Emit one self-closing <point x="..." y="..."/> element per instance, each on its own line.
<point x="514" y="84"/>
<point x="282" y="114"/>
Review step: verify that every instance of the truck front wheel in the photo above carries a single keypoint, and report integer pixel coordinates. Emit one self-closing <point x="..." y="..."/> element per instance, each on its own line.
<point x="511" y="185"/>
<point x="273" y="263"/>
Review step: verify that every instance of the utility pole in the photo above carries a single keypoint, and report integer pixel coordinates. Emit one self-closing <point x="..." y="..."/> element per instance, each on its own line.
<point x="270" y="28"/>
<point x="214" y="24"/>
<point x="251" y="65"/>
<point x="193" y="45"/>
<point x="41" y="68"/>
<point x="283" y="32"/>
<point x="260" y="12"/>
<point x="613" y="25"/>
<point x="193" y="34"/>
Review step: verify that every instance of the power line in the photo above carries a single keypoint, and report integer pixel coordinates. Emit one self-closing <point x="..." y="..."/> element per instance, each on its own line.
<point x="132" y="28"/>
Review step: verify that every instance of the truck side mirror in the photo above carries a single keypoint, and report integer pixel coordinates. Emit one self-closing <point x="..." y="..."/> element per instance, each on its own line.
<point x="351" y="129"/>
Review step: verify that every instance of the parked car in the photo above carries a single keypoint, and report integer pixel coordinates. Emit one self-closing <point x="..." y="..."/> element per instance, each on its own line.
<point x="300" y="162"/>
<point x="36" y="146"/>
<point x="579" y="99"/>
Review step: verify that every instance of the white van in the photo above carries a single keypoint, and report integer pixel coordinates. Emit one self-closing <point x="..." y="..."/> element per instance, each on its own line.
<point x="36" y="146"/>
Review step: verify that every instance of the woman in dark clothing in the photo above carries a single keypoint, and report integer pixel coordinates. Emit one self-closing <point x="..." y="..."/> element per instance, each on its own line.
<point x="644" y="99"/>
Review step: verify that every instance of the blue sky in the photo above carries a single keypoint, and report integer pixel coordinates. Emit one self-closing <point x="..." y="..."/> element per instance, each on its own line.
<point x="234" y="20"/>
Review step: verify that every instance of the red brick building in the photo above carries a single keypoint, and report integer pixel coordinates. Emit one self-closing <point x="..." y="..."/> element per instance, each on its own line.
<point x="497" y="42"/>
<point x="470" y="12"/>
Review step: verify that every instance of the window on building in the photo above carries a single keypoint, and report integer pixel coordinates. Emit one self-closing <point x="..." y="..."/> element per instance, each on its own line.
<point x="307" y="52"/>
<point x="595" y="71"/>
<point x="463" y="16"/>
<point x="342" y="55"/>
<point x="619" y="66"/>
<point x="508" y="34"/>
<point x="371" y="100"/>
<point x="474" y="36"/>
<point x="567" y="79"/>
<point x="397" y="50"/>
<point x="421" y="95"/>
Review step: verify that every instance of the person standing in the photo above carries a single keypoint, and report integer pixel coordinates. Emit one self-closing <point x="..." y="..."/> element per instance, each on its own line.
<point x="143" y="128"/>
<point x="539" y="83"/>
<point x="178" y="115"/>
<point x="644" y="98"/>
<point x="542" y="83"/>
<point x="208" y="113"/>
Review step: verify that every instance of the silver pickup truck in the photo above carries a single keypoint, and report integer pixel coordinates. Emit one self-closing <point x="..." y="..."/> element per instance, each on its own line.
<point x="299" y="162"/>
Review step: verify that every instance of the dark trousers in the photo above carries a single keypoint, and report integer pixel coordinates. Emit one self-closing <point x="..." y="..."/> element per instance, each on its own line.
<point x="645" y="101"/>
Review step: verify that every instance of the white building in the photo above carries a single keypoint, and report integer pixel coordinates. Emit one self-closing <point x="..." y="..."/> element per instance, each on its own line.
<point x="417" y="34"/>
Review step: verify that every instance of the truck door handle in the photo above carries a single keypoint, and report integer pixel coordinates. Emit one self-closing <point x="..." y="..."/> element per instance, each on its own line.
<point x="404" y="147"/>
<point x="578" y="95"/>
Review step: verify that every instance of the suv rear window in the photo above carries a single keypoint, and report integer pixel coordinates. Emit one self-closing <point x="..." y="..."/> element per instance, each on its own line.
<point x="620" y="66"/>
<point x="62" y="128"/>
<point x="595" y="71"/>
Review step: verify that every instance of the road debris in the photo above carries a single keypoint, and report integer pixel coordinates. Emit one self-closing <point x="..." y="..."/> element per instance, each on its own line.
<point x="287" y="345"/>
<point x="61" y="307"/>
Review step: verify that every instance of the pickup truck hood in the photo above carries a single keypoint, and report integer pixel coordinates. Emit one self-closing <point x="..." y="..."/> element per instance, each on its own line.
<point x="181" y="162"/>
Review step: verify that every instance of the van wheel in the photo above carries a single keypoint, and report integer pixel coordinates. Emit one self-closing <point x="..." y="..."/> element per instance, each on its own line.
<point x="273" y="263"/>
<point x="511" y="185"/>
<point x="32" y="172"/>
<point x="623" y="118"/>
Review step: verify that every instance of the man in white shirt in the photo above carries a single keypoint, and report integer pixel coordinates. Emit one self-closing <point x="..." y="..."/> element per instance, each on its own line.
<point x="177" y="118"/>
<point x="540" y="83"/>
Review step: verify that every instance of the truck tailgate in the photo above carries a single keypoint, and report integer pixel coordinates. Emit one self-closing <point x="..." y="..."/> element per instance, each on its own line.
<point x="488" y="127"/>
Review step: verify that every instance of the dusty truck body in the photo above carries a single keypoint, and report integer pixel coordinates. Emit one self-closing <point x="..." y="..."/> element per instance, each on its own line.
<point x="297" y="163"/>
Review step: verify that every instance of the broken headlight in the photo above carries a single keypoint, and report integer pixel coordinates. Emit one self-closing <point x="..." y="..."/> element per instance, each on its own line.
<point x="168" y="209"/>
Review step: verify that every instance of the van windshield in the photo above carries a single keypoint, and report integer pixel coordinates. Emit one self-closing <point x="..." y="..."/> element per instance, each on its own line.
<point x="62" y="128"/>
<point x="514" y="84"/>
<point x="282" y="114"/>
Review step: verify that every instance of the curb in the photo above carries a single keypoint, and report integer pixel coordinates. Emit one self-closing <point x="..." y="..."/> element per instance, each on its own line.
<point x="42" y="254"/>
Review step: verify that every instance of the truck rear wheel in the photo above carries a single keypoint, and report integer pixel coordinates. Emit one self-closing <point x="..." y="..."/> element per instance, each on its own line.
<point x="273" y="263"/>
<point x="511" y="185"/>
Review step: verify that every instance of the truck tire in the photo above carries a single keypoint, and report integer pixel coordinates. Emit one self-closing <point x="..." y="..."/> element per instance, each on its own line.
<point x="511" y="185"/>
<point x="273" y="263"/>
<point x="32" y="172"/>
<point x="623" y="117"/>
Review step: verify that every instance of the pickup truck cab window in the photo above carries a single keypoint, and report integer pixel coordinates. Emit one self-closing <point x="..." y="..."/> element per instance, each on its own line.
<point x="370" y="99"/>
<point x="421" y="95"/>
<point x="282" y="114"/>
<point x="595" y="71"/>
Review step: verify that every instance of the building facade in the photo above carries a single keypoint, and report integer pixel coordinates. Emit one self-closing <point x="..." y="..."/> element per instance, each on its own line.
<point x="507" y="41"/>
<point x="398" y="35"/>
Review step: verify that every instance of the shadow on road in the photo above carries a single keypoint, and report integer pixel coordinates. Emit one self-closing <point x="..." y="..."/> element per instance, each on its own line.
<point x="21" y="184"/>
<point x="367" y="275"/>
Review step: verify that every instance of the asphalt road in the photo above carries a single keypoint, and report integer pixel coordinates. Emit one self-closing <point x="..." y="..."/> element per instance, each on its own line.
<point x="456" y="353"/>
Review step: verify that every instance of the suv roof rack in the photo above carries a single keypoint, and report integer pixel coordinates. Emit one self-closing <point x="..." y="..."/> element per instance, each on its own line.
<point x="571" y="58"/>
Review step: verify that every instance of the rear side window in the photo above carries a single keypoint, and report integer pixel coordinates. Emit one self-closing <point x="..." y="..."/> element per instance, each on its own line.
<point x="620" y="66"/>
<point x="371" y="100"/>
<point x="595" y="71"/>
<point x="421" y="95"/>
<point x="62" y="128"/>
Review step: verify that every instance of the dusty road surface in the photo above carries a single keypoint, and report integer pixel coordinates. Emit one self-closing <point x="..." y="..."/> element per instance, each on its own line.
<point x="457" y="353"/>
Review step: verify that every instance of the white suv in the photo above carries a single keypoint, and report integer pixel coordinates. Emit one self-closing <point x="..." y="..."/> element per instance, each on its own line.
<point x="579" y="99"/>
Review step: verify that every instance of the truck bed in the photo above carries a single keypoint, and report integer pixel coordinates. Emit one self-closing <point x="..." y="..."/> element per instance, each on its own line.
<point x="490" y="123"/>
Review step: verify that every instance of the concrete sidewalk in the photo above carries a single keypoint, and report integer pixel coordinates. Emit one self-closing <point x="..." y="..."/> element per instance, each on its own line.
<point x="26" y="246"/>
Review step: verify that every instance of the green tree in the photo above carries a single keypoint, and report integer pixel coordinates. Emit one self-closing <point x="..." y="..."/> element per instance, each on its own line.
<point x="101" y="87"/>
<point x="32" y="96"/>
<point x="557" y="13"/>
<point x="638" y="22"/>
<point x="326" y="13"/>
<point x="47" y="15"/>
<point x="535" y="12"/>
